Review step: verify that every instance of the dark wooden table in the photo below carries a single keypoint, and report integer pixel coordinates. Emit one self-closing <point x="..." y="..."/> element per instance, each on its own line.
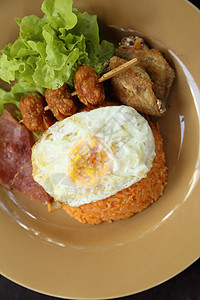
<point x="185" y="286"/>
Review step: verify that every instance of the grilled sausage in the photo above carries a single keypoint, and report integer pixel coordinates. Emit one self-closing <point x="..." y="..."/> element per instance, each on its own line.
<point x="33" y="114"/>
<point x="89" y="91"/>
<point x="60" y="102"/>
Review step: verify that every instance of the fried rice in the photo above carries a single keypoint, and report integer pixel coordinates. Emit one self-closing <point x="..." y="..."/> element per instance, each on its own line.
<point x="131" y="200"/>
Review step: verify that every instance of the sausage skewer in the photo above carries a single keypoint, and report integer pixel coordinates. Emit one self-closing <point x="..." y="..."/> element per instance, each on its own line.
<point x="115" y="71"/>
<point x="60" y="102"/>
<point x="110" y="74"/>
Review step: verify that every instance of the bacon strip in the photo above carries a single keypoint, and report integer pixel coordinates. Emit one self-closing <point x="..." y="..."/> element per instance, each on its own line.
<point x="15" y="152"/>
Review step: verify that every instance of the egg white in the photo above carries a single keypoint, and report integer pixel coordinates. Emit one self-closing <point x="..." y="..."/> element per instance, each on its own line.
<point x="124" y="134"/>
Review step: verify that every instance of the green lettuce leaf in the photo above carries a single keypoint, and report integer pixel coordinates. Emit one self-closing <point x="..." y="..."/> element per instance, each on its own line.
<point x="49" y="50"/>
<point x="9" y="67"/>
<point x="99" y="55"/>
<point x="87" y="24"/>
<point x="6" y="98"/>
<point x="31" y="28"/>
<point x="59" y="14"/>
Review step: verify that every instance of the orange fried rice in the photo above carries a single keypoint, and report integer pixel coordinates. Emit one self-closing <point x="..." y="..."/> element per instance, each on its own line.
<point x="131" y="200"/>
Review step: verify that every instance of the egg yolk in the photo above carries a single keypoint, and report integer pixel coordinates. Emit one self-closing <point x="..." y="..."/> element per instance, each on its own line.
<point x="89" y="162"/>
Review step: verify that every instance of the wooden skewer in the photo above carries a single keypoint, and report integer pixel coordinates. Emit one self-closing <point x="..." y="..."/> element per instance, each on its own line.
<point x="115" y="71"/>
<point x="46" y="108"/>
<point x="119" y="69"/>
<point x="74" y="94"/>
<point x="111" y="73"/>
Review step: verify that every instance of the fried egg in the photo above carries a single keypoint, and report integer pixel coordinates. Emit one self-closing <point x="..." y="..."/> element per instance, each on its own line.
<point x="93" y="155"/>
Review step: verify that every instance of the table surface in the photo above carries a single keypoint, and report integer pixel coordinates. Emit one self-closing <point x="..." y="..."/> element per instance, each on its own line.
<point x="184" y="286"/>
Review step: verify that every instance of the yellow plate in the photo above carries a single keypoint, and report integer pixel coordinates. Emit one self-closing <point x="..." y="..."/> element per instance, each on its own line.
<point x="54" y="254"/>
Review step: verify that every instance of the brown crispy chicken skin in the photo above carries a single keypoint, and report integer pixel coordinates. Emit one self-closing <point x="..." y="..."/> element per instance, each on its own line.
<point x="134" y="87"/>
<point x="152" y="61"/>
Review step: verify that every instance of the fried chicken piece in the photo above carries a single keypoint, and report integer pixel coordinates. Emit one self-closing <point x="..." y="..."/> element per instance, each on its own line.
<point x="152" y="61"/>
<point x="133" y="87"/>
<point x="89" y="91"/>
<point x="60" y="102"/>
<point x="34" y="116"/>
